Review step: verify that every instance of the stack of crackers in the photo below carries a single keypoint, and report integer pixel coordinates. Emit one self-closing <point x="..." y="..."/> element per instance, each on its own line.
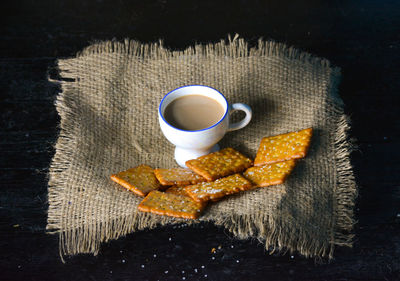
<point x="184" y="193"/>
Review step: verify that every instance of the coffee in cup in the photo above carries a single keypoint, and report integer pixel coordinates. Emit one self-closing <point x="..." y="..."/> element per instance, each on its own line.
<point x="193" y="112"/>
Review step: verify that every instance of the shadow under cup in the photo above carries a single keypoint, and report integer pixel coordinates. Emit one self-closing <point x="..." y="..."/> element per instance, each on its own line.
<point x="192" y="144"/>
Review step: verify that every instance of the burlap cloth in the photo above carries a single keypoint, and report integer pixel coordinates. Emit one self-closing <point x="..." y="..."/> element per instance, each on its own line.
<point x="108" y="109"/>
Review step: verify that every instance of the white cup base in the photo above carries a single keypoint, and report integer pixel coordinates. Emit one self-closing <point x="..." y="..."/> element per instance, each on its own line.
<point x="182" y="155"/>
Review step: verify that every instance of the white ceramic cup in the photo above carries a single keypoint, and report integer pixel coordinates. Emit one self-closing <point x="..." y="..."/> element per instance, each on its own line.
<point x="192" y="144"/>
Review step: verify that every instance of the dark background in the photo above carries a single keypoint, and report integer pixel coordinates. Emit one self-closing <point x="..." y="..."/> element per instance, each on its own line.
<point x="361" y="37"/>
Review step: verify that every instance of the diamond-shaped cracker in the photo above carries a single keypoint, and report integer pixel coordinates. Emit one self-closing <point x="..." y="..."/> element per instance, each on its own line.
<point x="283" y="147"/>
<point x="269" y="174"/>
<point x="217" y="189"/>
<point x="219" y="164"/>
<point x="169" y="204"/>
<point x="140" y="180"/>
<point x="177" y="176"/>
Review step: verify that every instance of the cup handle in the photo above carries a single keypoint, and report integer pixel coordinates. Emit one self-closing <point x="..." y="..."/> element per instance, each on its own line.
<point x="238" y="125"/>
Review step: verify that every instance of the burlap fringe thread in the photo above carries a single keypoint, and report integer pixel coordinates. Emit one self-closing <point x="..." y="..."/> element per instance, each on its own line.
<point x="88" y="238"/>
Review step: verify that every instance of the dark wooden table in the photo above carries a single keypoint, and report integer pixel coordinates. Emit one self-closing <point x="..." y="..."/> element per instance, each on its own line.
<point x="362" y="37"/>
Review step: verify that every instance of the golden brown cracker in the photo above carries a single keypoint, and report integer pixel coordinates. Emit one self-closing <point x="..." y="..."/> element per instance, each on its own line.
<point x="269" y="174"/>
<point x="177" y="176"/>
<point x="177" y="190"/>
<point x="169" y="204"/>
<point x="140" y="180"/>
<point x="180" y="190"/>
<point x="217" y="189"/>
<point x="219" y="164"/>
<point x="283" y="147"/>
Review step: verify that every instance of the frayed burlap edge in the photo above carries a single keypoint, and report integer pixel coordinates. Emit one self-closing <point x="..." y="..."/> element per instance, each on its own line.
<point x="88" y="238"/>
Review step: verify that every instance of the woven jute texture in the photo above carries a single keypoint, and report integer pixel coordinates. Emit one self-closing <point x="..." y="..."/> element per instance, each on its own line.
<point x="108" y="108"/>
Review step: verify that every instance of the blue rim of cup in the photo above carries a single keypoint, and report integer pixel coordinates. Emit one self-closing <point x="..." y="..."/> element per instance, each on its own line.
<point x="220" y="120"/>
